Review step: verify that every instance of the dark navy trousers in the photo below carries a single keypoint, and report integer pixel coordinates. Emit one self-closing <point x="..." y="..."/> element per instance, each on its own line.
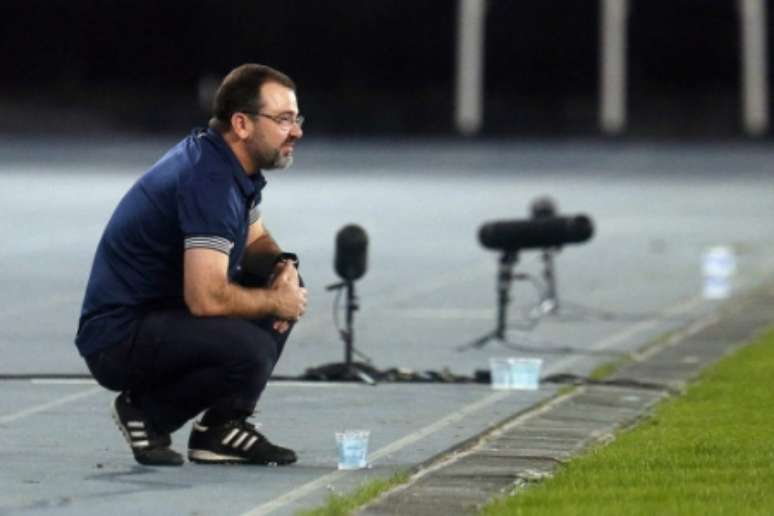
<point x="178" y="365"/>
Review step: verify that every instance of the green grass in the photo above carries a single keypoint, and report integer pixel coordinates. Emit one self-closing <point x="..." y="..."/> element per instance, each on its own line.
<point x="343" y="504"/>
<point x="710" y="451"/>
<point x="605" y="370"/>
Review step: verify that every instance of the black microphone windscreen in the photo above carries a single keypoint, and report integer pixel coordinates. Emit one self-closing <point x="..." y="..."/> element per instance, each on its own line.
<point x="539" y="232"/>
<point x="351" y="252"/>
<point x="542" y="207"/>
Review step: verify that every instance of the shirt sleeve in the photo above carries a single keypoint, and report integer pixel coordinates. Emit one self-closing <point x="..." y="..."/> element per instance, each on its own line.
<point x="255" y="214"/>
<point x="209" y="242"/>
<point x="207" y="210"/>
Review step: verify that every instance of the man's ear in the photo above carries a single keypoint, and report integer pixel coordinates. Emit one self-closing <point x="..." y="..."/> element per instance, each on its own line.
<point x="239" y="125"/>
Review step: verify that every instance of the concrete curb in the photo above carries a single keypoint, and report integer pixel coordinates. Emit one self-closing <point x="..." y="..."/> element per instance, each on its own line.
<point x="528" y="447"/>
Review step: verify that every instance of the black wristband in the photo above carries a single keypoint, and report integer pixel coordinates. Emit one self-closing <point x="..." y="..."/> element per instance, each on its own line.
<point x="287" y="257"/>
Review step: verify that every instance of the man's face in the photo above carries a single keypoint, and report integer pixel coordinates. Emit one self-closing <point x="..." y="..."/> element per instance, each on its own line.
<point x="274" y="130"/>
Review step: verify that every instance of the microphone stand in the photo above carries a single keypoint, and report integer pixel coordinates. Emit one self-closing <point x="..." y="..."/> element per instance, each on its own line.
<point x="550" y="303"/>
<point x="504" y="279"/>
<point x="349" y="370"/>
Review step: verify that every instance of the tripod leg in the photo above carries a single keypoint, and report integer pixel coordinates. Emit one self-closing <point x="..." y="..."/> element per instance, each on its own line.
<point x="504" y="279"/>
<point x="479" y="342"/>
<point x="549" y="305"/>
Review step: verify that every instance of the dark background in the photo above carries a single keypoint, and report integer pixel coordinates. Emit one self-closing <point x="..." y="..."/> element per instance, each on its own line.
<point x="376" y="67"/>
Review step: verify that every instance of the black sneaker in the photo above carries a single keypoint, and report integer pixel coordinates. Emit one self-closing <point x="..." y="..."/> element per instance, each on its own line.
<point x="148" y="446"/>
<point x="235" y="442"/>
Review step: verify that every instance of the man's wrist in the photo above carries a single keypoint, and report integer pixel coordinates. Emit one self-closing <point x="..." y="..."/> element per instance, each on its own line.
<point x="287" y="257"/>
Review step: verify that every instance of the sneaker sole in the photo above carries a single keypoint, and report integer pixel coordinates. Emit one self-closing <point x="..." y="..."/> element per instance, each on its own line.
<point x="208" y="457"/>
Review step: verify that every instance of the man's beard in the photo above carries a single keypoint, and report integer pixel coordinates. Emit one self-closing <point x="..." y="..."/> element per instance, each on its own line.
<point x="274" y="160"/>
<point x="281" y="162"/>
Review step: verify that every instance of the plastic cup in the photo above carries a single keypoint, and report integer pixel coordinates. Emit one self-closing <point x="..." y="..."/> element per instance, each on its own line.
<point x="718" y="267"/>
<point x="500" y="372"/>
<point x="719" y="261"/>
<point x="515" y="373"/>
<point x="716" y="287"/>
<point x="525" y="373"/>
<point x="352" y="446"/>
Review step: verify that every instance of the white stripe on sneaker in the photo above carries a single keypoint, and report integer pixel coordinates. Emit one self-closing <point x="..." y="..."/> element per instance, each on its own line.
<point x="239" y="441"/>
<point x="230" y="436"/>
<point x="250" y="443"/>
<point x="135" y="424"/>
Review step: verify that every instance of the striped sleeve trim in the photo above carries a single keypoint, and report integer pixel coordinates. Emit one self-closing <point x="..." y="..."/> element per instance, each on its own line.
<point x="217" y="243"/>
<point x="255" y="214"/>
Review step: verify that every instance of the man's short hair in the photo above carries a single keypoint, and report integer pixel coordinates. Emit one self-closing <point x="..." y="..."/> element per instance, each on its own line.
<point x="241" y="91"/>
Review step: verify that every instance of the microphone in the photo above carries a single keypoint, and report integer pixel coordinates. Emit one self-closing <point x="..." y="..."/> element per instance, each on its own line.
<point x="543" y="207"/>
<point x="512" y="235"/>
<point x="351" y="246"/>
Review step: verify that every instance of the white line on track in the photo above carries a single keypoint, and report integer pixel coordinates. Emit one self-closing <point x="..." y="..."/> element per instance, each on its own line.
<point x="471" y="271"/>
<point x="62" y="381"/>
<point x="616" y="338"/>
<point x="311" y="324"/>
<point x="41" y="305"/>
<point x="477" y="314"/>
<point x="324" y="480"/>
<point x="315" y="384"/>
<point x="29" y="411"/>
<point x="43" y="242"/>
<point x="629" y="332"/>
<point x="275" y="383"/>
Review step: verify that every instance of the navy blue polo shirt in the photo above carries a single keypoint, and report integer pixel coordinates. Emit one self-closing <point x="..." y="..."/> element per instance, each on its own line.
<point x="196" y="195"/>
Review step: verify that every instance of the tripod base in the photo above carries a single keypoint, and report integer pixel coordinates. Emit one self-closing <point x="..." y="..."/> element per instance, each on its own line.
<point x="482" y="341"/>
<point x="495" y="336"/>
<point x="344" y="372"/>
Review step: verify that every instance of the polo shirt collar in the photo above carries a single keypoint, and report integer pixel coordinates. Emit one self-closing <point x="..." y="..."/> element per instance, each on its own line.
<point x="249" y="185"/>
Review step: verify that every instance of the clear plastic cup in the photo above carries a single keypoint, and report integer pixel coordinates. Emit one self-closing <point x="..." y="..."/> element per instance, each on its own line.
<point x="525" y="373"/>
<point x="719" y="260"/>
<point x="515" y="373"/>
<point x="352" y="447"/>
<point x="718" y="268"/>
<point x="500" y="372"/>
<point x="716" y="287"/>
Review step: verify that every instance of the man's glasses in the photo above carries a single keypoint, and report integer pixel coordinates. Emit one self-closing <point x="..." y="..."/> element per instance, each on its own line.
<point x="286" y="120"/>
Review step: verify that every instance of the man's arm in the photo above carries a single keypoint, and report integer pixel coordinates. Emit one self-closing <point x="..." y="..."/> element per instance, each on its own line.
<point x="208" y="292"/>
<point x="261" y="251"/>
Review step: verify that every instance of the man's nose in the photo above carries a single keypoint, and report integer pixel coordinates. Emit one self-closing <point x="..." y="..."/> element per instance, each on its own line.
<point x="296" y="131"/>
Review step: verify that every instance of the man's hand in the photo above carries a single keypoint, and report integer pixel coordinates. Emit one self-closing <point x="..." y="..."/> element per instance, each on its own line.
<point x="280" y="326"/>
<point x="290" y="298"/>
<point x="208" y="292"/>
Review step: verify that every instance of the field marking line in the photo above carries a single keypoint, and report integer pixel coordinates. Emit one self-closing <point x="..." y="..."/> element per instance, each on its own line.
<point x="29" y="411"/>
<point x="41" y="304"/>
<point x="313" y="485"/>
<point x="631" y="331"/>
<point x="63" y="381"/>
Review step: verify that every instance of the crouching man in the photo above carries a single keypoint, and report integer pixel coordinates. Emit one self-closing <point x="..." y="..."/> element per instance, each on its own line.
<point x="190" y="300"/>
